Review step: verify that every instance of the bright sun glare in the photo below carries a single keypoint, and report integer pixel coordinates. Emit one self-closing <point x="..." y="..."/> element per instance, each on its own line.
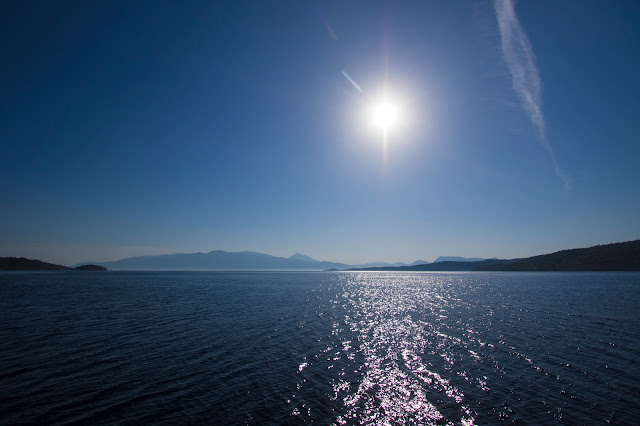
<point x="385" y="114"/>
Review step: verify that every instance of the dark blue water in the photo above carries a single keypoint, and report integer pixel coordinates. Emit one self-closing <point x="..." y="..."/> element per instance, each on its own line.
<point x="330" y="348"/>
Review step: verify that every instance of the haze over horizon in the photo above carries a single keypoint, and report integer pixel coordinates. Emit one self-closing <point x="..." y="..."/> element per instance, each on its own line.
<point x="354" y="133"/>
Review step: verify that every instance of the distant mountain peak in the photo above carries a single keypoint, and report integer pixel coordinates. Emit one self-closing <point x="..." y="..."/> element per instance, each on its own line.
<point x="420" y="262"/>
<point x="302" y="257"/>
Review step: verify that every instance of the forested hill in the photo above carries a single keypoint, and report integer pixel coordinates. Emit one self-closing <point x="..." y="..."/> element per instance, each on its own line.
<point x="611" y="257"/>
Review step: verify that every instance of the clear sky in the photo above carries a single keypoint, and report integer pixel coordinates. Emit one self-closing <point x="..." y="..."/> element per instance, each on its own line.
<point x="147" y="127"/>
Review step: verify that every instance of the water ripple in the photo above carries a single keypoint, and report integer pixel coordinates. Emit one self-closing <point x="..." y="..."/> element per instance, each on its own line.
<point x="329" y="348"/>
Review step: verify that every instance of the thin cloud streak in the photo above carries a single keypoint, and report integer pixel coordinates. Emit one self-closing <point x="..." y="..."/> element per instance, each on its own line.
<point x="521" y="62"/>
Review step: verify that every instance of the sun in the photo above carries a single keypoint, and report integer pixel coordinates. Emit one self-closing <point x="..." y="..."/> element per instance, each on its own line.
<point x="385" y="114"/>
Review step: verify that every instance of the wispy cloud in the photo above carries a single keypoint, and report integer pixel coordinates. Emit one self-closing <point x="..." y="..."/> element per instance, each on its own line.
<point x="521" y="62"/>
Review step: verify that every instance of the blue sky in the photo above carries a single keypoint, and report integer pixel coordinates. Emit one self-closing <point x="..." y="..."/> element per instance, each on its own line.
<point x="132" y="128"/>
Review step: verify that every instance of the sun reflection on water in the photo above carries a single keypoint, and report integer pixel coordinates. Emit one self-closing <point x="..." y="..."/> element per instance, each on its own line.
<point x="397" y="385"/>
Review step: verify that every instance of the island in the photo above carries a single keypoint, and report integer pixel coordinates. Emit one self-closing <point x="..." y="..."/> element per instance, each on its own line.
<point x="90" y="268"/>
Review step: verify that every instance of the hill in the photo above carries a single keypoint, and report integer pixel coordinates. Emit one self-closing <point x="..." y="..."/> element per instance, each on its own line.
<point x="611" y="257"/>
<point x="24" y="264"/>
<point x="439" y="266"/>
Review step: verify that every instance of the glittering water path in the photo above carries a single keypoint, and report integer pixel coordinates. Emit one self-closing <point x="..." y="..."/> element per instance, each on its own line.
<point x="342" y="348"/>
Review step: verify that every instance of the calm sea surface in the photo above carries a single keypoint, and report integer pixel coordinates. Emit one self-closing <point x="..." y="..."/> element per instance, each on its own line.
<point x="330" y="348"/>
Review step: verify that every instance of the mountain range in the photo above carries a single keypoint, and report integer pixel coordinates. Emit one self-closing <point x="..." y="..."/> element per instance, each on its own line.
<point x="221" y="260"/>
<point x="611" y="257"/>
<point x="244" y="260"/>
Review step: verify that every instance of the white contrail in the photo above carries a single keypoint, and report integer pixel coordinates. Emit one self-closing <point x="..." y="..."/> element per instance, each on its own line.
<point x="521" y="62"/>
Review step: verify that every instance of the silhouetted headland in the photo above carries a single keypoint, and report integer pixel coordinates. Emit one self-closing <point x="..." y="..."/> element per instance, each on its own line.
<point x="447" y="265"/>
<point x="610" y="257"/>
<point x="24" y="264"/>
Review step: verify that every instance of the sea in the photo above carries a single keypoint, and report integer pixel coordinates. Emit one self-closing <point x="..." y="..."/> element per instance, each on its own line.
<point x="341" y="348"/>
